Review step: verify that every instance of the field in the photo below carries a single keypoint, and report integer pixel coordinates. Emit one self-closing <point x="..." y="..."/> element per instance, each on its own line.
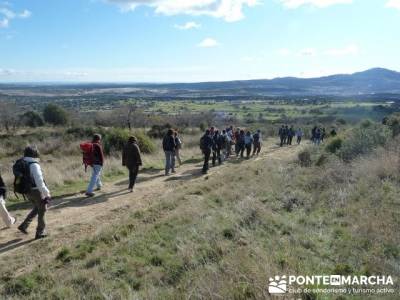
<point x="300" y="210"/>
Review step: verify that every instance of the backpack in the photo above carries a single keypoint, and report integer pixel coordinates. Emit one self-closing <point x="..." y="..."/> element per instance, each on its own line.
<point x="202" y="143"/>
<point x="23" y="181"/>
<point x="87" y="154"/>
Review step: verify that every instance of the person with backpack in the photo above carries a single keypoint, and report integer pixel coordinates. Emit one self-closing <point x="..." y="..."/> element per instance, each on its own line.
<point x="131" y="159"/>
<point x="299" y="134"/>
<point x="96" y="163"/>
<point x="169" y="147"/>
<point x="29" y="173"/>
<point x="4" y="214"/>
<point x="257" y="142"/>
<point x="206" y="144"/>
<point x="248" y="142"/>
<point x="178" y="143"/>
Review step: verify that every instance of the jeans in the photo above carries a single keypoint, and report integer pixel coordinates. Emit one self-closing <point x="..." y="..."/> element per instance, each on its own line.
<point x="298" y="140"/>
<point x="133" y="172"/>
<point x="6" y="217"/>
<point x="169" y="161"/>
<point x="178" y="156"/>
<point x="39" y="210"/>
<point x="95" y="180"/>
<point x="257" y="148"/>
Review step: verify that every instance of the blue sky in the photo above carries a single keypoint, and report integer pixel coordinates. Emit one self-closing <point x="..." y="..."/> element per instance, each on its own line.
<point x="194" y="40"/>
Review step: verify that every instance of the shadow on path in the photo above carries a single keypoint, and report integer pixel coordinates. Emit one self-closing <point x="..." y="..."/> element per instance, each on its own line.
<point x="13" y="244"/>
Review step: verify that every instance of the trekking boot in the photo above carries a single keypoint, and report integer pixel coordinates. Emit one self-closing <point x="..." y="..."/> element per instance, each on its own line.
<point x="39" y="236"/>
<point x="22" y="229"/>
<point x="89" y="194"/>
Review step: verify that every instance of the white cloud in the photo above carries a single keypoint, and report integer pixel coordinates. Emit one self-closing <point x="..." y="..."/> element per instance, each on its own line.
<point x="25" y="14"/>
<point x="188" y="25"/>
<point x="316" y="3"/>
<point x="4" y="23"/>
<point x="308" y="52"/>
<point x="348" y="50"/>
<point x="229" y="10"/>
<point x="208" y="43"/>
<point x="284" y="52"/>
<point x="393" y="4"/>
<point x="8" y="15"/>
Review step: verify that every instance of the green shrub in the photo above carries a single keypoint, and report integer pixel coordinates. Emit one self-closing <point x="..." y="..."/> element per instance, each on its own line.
<point x="363" y="139"/>
<point x="32" y="119"/>
<point x="55" y="115"/>
<point x="334" y="145"/>
<point x="114" y="140"/>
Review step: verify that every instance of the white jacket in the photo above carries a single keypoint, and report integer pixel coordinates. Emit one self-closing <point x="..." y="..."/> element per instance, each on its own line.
<point x="37" y="175"/>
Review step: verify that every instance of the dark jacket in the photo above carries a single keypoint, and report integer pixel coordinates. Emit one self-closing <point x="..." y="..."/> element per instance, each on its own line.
<point x="131" y="156"/>
<point x="98" y="156"/>
<point x="3" y="189"/>
<point x="169" y="143"/>
<point x="207" y="143"/>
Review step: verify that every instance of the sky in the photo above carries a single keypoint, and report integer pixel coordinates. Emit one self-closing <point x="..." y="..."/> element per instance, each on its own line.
<point x="194" y="40"/>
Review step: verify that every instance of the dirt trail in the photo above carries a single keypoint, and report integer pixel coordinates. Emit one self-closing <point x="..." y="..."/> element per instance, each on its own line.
<point x="74" y="217"/>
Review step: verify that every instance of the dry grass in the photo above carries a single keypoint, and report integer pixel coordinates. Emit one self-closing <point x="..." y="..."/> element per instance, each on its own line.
<point x="222" y="236"/>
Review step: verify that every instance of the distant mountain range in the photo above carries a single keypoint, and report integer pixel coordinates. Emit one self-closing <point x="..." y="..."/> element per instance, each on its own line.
<point x="367" y="83"/>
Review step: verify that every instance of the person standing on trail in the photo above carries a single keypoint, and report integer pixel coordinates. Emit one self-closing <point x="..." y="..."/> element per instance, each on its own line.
<point x="299" y="134"/>
<point x="218" y="146"/>
<point x="236" y="137"/>
<point x="313" y="132"/>
<point x="97" y="166"/>
<point x="282" y="135"/>
<point x="4" y="214"/>
<point x="323" y="134"/>
<point x="131" y="159"/>
<point x="169" y="148"/>
<point x="206" y="144"/>
<point x="228" y="140"/>
<point x="317" y="137"/>
<point x="291" y="134"/>
<point x="178" y="143"/>
<point x="241" y="143"/>
<point x="248" y="142"/>
<point x="38" y="193"/>
<point x="286" y="135"/>
<point x="257" y="142"/>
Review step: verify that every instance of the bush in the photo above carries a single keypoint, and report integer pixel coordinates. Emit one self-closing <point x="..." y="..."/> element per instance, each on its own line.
<point x="393" y="122"/>
<point x="363" y="139"/>
<point x="334" y="145"/>
<point x="305" y="158"/>
<point x="55" y="115"/>
<point x="158" y="131"/>
<point x="115" y="139"/>
<point x="32" y="119"/>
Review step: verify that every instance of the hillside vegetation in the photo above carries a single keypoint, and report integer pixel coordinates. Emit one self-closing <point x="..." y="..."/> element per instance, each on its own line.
<point x="332" y="209"/>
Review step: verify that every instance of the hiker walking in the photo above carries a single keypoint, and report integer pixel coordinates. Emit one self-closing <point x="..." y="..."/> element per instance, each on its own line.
<point x="317" y="137"/>
<point x="236" y="137"/>
<point x="4" y="214"/>
<point x="248" y="142"/>
<point x="228" y="142"/>
<point x="97" y="166"/>
<point x="323" y="134"/>
<point x="257" y="142"/>
<point x="241" y="143"/>
<point x="219" y="145"/>
<point x="178" y="143"/>
<point x="291" y="134"/>
<point x="282" y="135"/>
<point x="169" y="147"/>
<point x="299" y="134"/>
<point x="37" y="192"/>
<point x="286" y="135"/>
<point x="206" y="144"/>
<point x="131" y="159"/>
<point x="313" y="133"/>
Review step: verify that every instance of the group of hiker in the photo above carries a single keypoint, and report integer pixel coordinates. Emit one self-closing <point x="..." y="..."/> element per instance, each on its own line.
<point x="219" y="144"/>
<point x="286" y="135"/>
<point x="30" y="183"/>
